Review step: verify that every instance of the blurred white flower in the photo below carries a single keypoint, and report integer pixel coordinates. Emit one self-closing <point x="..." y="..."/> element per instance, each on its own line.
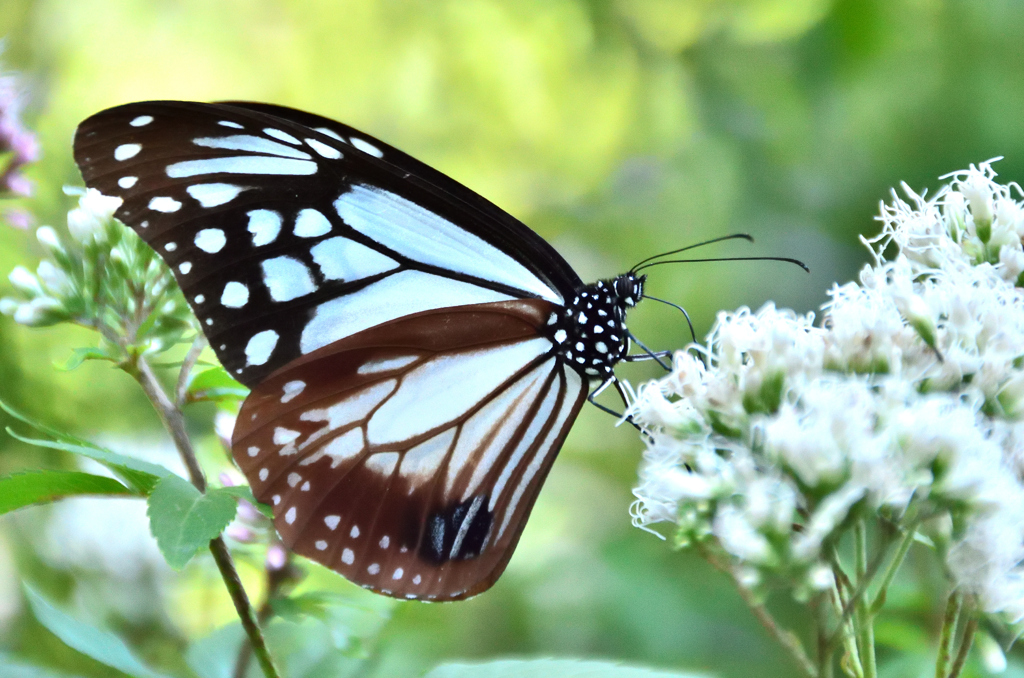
<point x="904" y="402"/>
<point x="87" y="222"/>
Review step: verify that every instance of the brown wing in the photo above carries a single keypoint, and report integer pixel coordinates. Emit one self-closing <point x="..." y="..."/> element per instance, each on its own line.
<point x="407" y="457"/>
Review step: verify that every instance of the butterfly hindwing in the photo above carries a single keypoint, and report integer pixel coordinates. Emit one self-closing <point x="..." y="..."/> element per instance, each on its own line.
<point x="285" y="238"/>
<point x="413" y="491"/>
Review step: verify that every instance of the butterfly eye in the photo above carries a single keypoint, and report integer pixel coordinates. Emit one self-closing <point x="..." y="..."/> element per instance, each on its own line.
<point x="416" y="356"/>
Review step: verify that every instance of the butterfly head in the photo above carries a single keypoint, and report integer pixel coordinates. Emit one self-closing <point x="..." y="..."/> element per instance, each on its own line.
<point x="628" y="288"/>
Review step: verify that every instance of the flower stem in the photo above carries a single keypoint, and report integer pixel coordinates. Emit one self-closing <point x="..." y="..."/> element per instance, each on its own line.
<point x="786" y="638"/>
<point x="863" y="617"/>
<point x="894" y="566"/>
<point x="948" y="632"/>
<point x="965" y="646"/>
<point x="174" y="421"/>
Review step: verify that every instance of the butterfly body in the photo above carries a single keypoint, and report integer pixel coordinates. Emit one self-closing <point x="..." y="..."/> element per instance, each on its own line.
<point x="415" y="355"/>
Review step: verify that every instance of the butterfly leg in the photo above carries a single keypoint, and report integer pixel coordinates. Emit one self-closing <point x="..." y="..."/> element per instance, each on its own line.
<point x="648" y="353"/>
<point x="622" y="394"/>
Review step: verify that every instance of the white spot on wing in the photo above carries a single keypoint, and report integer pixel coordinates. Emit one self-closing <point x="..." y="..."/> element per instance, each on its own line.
<point x="252" y="144"/>
<point x="310" y="223"/>
<point x="185" y="267"/>
<point x="294" y="479"/>
<point x="348" y="557"/>
<point x="229" y="123"/>
<point x="241" y="164"/>
<point x="164" y="204"/>
<point x="280" y="134"/>
<point x="398" y="574"/>
<point x="264" y="474"/>
<point x="292" y="389"/>
<point x="289" y="517"/>
<point x="211" y="239"/>
<point x="341" y="448"/>
<point x="171" y="246"/>
<point x="127" y="182"/>
<point x="385" y="541"/>
<point x="399" y="294"/>
<point x="423" y="236"/>
<point x="212" y="195"/>
<point x="367" y="147"/>
<point x="320" y="545"/>
<point x="456" y="383"/>
<point x="421" y="462"/>
<point x="253" y="451"/>
<point x="287" y="278"/>
<point x="323" y="149"/>
<point x="235" y="295"/>
<point x="332" y="522"/>
<point x="377" y="366"/>
<point x="126" y="151"/>
<point x="417" y="579"/>
<point x="354" y="532"/>
<point x="264" y="225"/>
<point x="259" y="348"/>
<point x="141" y="121"/>
<point x="374" y="568"/>
<point x="283" y="436"/>
<point x="383" y="462"/>
<point x="343" y="259"/>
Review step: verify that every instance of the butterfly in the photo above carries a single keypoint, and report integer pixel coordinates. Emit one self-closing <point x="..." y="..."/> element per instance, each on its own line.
<point x="416" y="356"/>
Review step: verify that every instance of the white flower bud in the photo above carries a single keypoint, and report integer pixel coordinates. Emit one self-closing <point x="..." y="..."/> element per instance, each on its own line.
<point x="87" y="222"/>
<point x="40" y="312"/>
<point x="976" y="189"/>
<point x="56" y="281"/>
<point x="820" y="577"/>
<point x="25" y="282"/>
<point x="9" y="306"/>
<point x="49" y="239"/>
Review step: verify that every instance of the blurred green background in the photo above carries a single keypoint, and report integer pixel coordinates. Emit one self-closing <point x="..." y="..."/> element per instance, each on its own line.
<point x="617" y="130"/>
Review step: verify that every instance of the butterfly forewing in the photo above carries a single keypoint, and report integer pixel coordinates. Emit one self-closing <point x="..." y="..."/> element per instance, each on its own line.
<point x="412" y="493"/>
<point x="285" y="238"/>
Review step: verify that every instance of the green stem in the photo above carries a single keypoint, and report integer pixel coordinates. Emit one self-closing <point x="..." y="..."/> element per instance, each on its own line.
<point x="862" y="614"/>
<point x="894" y="566"/>
<point x="965" y="646"/>
<point x="245" y="612"/>
<point x="844" y="629"/>
<point x="948" y="632"/>
<point x="174" y="421"/>
<point x="789" y="641"/>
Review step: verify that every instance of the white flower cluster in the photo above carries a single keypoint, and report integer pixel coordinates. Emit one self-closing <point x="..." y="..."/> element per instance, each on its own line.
<point x="905" y="404"/>
<point x="45" y="294"/>
<point x="103" y="277"/>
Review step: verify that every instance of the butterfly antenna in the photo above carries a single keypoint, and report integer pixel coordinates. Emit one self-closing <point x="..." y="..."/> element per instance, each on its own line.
<point x="693" y="335"/>
<point x="787" y="260"/>
<point x="734" y="236"/>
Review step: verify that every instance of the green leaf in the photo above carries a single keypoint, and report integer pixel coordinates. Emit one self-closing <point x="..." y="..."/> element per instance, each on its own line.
<point x="214" y="385"/>
<point x="80" y="355"/>
<point x="563" y="668"/>
<point x="14" y="667"/>
<point x="40" y="486"/>
<point x="139" y="476"/>
<point x="184" y="520"/>
<point x="100" y="644"/>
